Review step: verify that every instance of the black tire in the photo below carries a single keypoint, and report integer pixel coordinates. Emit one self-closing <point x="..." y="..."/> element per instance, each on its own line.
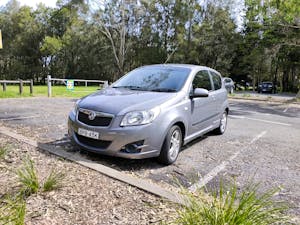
<point x="223" y="124"/>
<point x="167" y="154"/>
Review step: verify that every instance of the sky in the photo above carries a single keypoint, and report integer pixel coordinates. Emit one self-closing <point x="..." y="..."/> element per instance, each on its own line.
<point x="32" y="3"/>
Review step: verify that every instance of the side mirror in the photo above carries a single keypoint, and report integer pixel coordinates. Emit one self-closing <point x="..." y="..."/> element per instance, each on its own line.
<point x="199" y="92"/>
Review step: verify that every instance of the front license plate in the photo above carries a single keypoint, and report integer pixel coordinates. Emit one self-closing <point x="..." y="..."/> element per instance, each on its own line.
<point x="88" y="133"/>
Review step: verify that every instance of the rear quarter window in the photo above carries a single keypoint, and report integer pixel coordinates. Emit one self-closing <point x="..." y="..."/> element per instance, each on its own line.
<point x="217" y="81"/>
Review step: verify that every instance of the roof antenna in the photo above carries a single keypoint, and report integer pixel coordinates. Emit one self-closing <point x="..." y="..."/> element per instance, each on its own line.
<point x="169" y="57"/>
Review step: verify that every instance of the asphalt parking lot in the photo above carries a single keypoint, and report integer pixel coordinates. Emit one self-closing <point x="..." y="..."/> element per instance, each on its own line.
<point x="261" y="145"/>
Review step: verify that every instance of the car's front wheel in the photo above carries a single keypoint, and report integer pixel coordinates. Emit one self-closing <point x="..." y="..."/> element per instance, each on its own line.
<point x="223" y="124"/>
<point x="171" y="146"/>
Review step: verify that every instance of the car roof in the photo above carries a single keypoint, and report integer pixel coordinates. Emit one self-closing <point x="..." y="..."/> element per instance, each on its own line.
<point x="189" y="66"/>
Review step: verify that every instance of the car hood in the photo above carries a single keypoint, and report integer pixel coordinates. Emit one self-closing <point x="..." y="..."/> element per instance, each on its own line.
<point x="119" y="101"/>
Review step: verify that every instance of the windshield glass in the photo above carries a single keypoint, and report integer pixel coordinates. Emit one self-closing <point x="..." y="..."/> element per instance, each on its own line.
<point x="161" y="79"/>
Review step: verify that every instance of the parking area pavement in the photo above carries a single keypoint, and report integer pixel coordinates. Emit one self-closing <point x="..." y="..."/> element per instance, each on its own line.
<point x="277" y="97"/>
<point x="261" y="145"/>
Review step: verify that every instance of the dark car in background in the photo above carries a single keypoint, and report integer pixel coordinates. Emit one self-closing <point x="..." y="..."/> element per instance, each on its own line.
<point x="266" y="87"/>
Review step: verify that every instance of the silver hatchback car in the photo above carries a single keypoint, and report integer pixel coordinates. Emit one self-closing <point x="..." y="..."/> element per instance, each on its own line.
<point x="151" y="112"/>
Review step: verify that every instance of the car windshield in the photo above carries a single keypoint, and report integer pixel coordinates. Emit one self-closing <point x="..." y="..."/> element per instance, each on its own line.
<point x="160" y="79"/>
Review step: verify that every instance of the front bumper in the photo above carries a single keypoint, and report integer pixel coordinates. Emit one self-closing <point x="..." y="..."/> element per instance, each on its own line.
<point x="113" y="138"/>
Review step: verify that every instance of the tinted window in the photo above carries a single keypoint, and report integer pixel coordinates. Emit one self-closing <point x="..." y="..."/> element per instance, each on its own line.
<point x="202" y="80"/>
<point x="216" y="80"/>
<point x="154" y="79"/>
<point x="227" y="80"/>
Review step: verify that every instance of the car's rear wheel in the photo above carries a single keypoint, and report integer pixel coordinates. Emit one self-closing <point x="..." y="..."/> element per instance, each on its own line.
<point x="223" y="124"/>
<point x="171" y="146"/>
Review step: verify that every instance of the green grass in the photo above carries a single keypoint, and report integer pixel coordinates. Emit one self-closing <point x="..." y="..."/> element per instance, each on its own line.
<point x="3" y="152"/>
<point x="12" y="91"/>
<point x="231" y="208"/>
<point x="246" y="95"/>
<point x="28" y="178"/>
<point x="12" y="210"/>
<point x="30" y="183"/>
<point x="53" y="181"/>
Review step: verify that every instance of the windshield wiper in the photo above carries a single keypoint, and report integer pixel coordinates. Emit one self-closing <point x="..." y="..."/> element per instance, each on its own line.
<point x="163" y="90"/>
<point x="131" y="87"/>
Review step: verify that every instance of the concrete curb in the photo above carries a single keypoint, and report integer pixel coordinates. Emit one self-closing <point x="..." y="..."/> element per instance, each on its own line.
<point x="77" y="158"/>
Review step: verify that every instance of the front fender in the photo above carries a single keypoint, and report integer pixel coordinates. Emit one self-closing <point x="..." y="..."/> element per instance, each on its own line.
<point x="171" y="117"/>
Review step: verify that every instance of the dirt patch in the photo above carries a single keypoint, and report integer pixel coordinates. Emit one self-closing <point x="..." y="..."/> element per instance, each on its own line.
<point x="86" y="196"/>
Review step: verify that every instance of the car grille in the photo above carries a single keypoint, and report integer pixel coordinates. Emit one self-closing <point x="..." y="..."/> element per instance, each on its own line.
<point x="92" y="142"/>
<point x="102" y="121"/>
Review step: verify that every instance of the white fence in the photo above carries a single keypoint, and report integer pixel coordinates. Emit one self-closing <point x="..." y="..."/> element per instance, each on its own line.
<point x="50" y="79"/>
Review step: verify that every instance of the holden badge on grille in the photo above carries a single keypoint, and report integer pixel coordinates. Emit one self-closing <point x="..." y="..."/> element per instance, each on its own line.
<point x="92" y="115"/>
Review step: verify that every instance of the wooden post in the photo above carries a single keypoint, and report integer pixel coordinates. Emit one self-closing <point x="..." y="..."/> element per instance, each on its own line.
<point x="31" y="86"/>
<point x="4" y="86"/>
<point x="21" y="87"/>
<point x="85" y="83"/>
<point x="49" y="85"/>
<point x="105" y="85"/>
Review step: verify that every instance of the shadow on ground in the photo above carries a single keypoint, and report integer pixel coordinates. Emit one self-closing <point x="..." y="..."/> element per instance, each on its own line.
<point x="145" y="168"/>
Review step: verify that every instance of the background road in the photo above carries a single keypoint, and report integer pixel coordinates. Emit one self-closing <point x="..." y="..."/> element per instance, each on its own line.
<point x="261" y="145"/>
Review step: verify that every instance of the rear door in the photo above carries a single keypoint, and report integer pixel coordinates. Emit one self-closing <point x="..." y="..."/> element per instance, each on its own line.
<point x="202" y="109"/>
<point x="219" y="94"/>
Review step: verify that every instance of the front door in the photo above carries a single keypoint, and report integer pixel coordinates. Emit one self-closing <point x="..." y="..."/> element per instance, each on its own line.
<point x="203" y="108"/>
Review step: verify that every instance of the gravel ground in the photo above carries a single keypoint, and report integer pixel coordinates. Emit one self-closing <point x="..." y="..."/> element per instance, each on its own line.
<point x="86" y="196"/>
<point x="272" y="161"/>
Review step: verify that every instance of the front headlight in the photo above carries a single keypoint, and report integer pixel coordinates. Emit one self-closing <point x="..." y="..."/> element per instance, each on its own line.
<point x="140" y="117"/>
